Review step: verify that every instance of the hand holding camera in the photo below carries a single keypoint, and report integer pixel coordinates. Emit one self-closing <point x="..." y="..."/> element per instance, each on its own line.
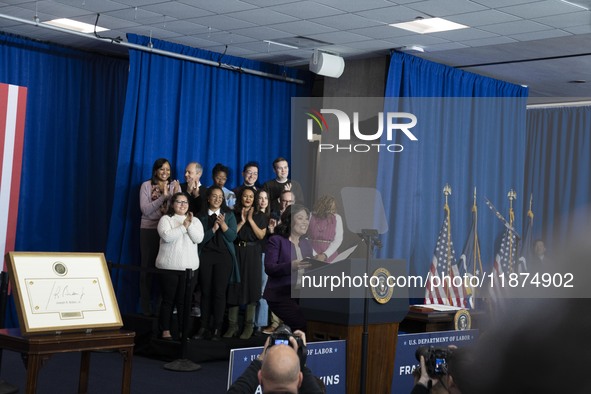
<point x="435" y="360"/>
<point x="284" y="336"/>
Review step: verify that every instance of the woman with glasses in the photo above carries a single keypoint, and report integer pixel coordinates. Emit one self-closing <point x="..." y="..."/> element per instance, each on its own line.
<point x="284" y="261"/>
<point x="155" y="194"/>
<point x="179" y="234"/>
<point x="219" y="266"/>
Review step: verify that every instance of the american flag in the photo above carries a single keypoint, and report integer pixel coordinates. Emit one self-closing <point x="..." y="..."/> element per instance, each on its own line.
<point x="443" y="265"/>
<point x="504" y="264"/>
<point x="470" y="262"/>
<point x="12" y="129"/>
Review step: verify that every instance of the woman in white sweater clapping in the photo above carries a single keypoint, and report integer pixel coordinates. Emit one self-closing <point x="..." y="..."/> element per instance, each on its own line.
<point x="179" y="235"/>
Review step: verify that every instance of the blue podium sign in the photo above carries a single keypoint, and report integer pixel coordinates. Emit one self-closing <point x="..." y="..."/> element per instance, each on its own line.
<point x="406" y="362"/>
<point x="326" y="360"/>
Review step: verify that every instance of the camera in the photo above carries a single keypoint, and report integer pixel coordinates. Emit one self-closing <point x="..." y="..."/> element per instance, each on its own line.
<point x="281" y="336"/>
<point x="435" y="359"/>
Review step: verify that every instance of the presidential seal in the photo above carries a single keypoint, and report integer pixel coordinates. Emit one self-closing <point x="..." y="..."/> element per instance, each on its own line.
<point x="462" y="320"/>
<point x="380" y="290"/>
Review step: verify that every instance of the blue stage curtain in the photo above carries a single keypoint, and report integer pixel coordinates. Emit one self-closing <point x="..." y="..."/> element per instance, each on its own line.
<point x="557" y="172"/>
<point x="186" y="111"/>
<point x="466" y="149"/>
<point x="75" y="104"/>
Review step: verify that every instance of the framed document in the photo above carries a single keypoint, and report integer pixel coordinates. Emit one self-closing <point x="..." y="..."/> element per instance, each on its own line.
<point x="57" y="292"/>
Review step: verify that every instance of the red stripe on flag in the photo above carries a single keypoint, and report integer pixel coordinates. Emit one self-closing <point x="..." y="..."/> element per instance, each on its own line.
<point x="435" y="294"/>
<point x="12" y="123"/>
<point x="16" y="168"/>
<point x="3" y="109"/>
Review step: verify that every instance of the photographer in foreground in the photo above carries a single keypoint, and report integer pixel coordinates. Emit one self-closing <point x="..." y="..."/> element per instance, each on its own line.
<point x="280" y="368"/>
<point x="438" y="371"/>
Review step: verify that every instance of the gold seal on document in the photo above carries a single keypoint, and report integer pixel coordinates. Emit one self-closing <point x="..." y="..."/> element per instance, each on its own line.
<point x="381" y="285"/>
<point x="60" y="268"/>
<point x="462" y="320"/>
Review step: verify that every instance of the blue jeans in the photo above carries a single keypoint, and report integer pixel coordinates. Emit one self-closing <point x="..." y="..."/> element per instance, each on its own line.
<point x="262" y="312"/>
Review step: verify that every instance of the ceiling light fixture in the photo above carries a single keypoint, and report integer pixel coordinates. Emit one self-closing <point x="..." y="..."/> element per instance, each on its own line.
<point x="71" y="24"/>
<point x="575" y="4"/>
<point x="281" y="44"/>
<point x="429" y="25"/>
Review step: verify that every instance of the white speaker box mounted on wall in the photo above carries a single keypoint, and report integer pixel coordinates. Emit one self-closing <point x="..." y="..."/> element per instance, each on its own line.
<point x="326" y="64"/>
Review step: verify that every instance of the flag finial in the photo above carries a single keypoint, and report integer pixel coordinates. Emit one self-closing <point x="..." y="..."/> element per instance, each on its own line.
<point x="512" y="195"/>
<point x="446" y="192"/>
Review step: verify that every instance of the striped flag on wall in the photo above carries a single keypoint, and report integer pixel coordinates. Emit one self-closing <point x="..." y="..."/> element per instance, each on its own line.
<point x="13" y="103"/>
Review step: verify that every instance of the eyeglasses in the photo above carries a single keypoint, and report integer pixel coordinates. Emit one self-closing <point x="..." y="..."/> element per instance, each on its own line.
<point x="182" y="202"/>
<point x="251" y="173"/>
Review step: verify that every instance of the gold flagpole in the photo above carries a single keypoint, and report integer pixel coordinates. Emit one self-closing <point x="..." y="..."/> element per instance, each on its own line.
<point x="512" y="195"/>
<point x="446" y="193"/>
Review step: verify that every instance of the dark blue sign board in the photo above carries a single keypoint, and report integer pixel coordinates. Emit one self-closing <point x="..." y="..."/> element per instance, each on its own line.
<point x="406" y="362"/>
<point x="327" y="360"/>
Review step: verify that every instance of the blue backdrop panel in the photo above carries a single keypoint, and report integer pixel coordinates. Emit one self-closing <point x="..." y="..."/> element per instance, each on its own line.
<point x="557" y="172"/>
<point x="74" y="111"/>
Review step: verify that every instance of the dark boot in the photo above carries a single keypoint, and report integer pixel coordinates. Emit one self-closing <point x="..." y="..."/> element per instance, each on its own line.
<point x="203" y="333"/>
<point x="249" y="321"/>
<point x="216" y="335"/>
<point x="232" y="322"/>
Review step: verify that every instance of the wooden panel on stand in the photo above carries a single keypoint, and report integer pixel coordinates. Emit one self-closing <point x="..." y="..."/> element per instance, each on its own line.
<point x="382" y="340"/>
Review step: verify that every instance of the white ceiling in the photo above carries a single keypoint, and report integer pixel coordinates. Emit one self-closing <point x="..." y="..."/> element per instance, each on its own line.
<point x="543" y="44"/>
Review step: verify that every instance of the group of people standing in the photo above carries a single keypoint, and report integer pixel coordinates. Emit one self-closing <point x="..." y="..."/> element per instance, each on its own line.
<point x="241" y="246"/>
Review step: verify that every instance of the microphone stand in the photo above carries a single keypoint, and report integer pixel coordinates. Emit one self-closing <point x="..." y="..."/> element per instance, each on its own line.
<point x="370" y="237"/>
